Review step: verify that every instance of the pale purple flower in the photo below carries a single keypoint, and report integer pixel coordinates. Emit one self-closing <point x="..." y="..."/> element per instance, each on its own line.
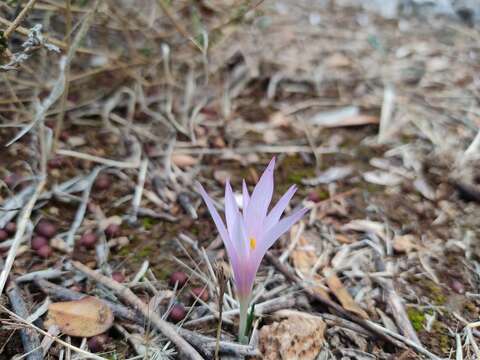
<point x="249" y="234"/>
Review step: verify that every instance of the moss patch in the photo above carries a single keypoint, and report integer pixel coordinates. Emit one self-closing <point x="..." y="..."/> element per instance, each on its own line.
<point x="417" y="318"/>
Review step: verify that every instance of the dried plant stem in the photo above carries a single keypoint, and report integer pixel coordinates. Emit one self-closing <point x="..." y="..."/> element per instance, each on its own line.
<point x="11" y="28"/>
<point x="127" y="295"/>
<point x="21" y="227"/>
<point x="30" y="339"/>
<point x="177" y="24"/>
<point x="63" y="101"/>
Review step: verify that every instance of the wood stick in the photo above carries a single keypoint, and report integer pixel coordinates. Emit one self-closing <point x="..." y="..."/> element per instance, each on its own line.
<point x="19" y="18"/>
<point x="21" y="227"/>
<point x="207" y="345"/>
<point x="396" y="304"/>
<point x="127" y="295"/>
<point x="30" y="338"/>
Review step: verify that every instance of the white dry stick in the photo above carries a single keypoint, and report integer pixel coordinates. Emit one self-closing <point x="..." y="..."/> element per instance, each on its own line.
<point x="474" y="149"/>
<point x="14" y="204"/>
<point x="82" y="207"/>
<point x="387" y="112"/>
<point x="260" y="149"/>
<point x="21" y="227"/>
<point x="133" y="164"/>
<point x="459" y="352"/>
<point x="140" y="274"/>
<point x="137" y="198"/>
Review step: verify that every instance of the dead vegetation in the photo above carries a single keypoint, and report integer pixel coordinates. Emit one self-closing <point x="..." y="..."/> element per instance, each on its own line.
<point x="110" y="110"/>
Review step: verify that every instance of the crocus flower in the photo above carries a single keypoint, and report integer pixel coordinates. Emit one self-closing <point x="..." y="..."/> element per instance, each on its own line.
<point x="249" y="234"/>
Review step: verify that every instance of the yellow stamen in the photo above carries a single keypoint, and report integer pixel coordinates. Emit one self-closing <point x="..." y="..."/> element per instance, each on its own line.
<point x="253" y="243"/>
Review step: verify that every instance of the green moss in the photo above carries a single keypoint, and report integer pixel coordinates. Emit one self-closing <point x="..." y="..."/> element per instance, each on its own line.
<point x="295" y="170"/>
<point x="431" y="290"/>
<point x="440" y="335"/>
<point x="436" y="293"/>
<point x="148" y="223"/>
<point x="143" y="253"/>
<point x="125" y="251"/>
<point x="147" y="52"/>
<point x="417" y="318"/>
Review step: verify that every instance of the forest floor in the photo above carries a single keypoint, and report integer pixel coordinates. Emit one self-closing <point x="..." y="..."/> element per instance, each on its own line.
<point x="375" y="120"/>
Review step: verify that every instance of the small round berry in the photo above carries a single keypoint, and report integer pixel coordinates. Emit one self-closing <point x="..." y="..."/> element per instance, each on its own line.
<point x="98" y="343"/>
<point x="12" y="180"/>
<point x="88" y="240"/>
<point x="3" y="235"/>
<point x="38" y="242"/>
<point x="64" y="135"/>
<point x="178" y="277"/>
<point x="11" y="228"/>
<point x="45" y="251"/>
<point x="177" y="313"/>
<point x="56" y="162"/>
<point x="46" y="229"/>
<point x="112" y="230"/>
<point x="199" y="292"/>
<point x="103" y="182"/>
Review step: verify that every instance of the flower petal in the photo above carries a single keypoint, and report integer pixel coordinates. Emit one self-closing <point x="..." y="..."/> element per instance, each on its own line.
<point x="214" y="213"/>
<point x="246" y="199"/>
<point x="232" y="215"/>
<point x="279" y="208"/>
<point x="231" y="208"/>
<point x="229" y="244"/>
<point x="276" y="231"/>
<point x="242" y="271"/>
<point x="259" y="202"/>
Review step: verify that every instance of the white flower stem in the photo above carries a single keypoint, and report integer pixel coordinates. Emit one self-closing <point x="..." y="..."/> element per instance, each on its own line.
<point x="242" y="336"/>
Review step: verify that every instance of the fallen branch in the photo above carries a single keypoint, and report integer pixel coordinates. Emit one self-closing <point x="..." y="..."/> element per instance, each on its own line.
<point x="127" y="295"/>
<point x="30" y="338"/>
<point x="21" y="227"/>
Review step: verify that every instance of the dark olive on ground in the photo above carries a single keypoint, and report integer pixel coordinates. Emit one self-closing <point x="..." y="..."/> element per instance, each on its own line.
<point x="88" y="240"/>
<point x="98" y="343"/>
<point x="3" y="235"/>
<point x="46" y="229"/>
<point x="177" y="313"/>
<point x="112" y="230"/>
<point x="200" y="292"/>
<point x="178" y="277"/>
<point x="38" y="242"/>
<point x="45" y="251"/>
<point x="11" y="228"/>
